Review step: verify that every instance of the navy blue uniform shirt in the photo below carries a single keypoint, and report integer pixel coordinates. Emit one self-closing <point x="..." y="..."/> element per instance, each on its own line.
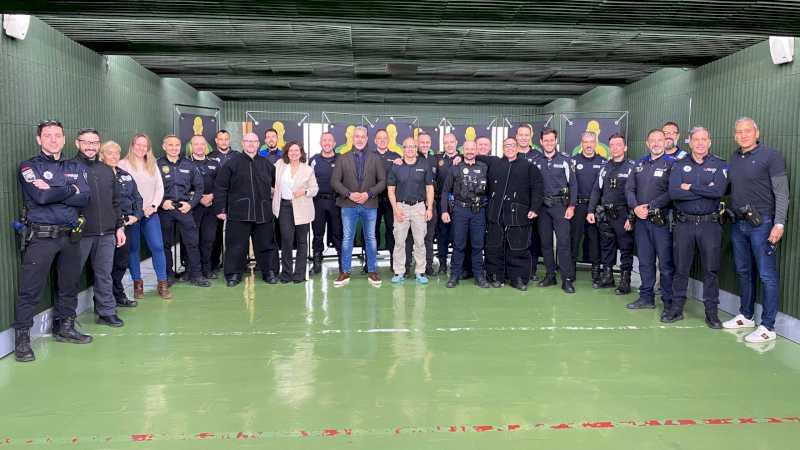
<point x="557" y="174"/>
<point x="708" y="180"/>
<point x="649" y="183"/>
<point x="323" y="169"/>
<point x="609" y="188"/>
<point x="182" y="180"/>
<point x="586" y="170"/>
<point x="69" y="191"/>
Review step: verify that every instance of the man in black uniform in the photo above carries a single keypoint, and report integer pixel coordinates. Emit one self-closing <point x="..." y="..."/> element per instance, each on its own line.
<point x="53" y="190"/>
<point x="515" y="196"/>
<point x="183" y="187"/>
<point x="203" y="213"/>
<point x="387" y="158"/>
<point x="467" y="183"/>
<point x="222" y="155"/>
<point x="560" y="196"/>
<point x="325" y="210"/>
<point x="526" y="151"/>
<point x="647" y="191"/>
<point x="243" y="199"/>
<point x="696" y="185"/>
<point x="672" y="135"/>
<point x="104" y="229"/>
<point x="442" y="163"/>
<point x="587" y="165"/>
<point x="608" y="208"/>
<point x="273" y="154"/>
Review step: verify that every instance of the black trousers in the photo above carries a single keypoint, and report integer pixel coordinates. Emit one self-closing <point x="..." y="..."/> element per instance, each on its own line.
<point x="508" y="252"/>
<point x="216" y="250"/>
<point x="292" y="269"/>
<point x="237" y="245"/>
<point x="36" y="262"/>
<point x="386" y="213"/>
<point x="444" y="236"/>
<point x="206" y="222"/>
<point x="551" y="220"/>
<point x="184" y="223"/>
<point x="327" y="217"/>
<point x="613" y="237"/>
<point x="119" y="267"/>
<point x="707" y="238"/>
<point x="580" y="230"/>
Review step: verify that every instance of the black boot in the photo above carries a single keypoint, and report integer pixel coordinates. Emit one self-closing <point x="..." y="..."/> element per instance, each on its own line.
<point x="567" y="286"/>
<point x="452" y="282"/>
<point x="442" y="267"/>
<point x="596" y="274"/>
<point x="642" y="303"/>
<point x="712" y="316"/>
<point x="22" y="346"/>
<point x="494" y="282"/>
<point x="606" y="278"/>
<point x="316" y="266"/>
<point x="674" y="313"/>
<point x="68" y="333"/>
<point x="519" y="284"/>
<point x="548" y="280"/>
<point x="624" y="283"/>
<point x="481" y="282"/>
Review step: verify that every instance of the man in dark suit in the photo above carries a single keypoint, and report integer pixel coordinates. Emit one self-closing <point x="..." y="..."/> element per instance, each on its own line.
<point x="358" y="179"/>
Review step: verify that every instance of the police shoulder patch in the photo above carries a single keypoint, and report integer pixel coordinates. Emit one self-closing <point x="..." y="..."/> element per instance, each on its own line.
<point x="28" y="174"/>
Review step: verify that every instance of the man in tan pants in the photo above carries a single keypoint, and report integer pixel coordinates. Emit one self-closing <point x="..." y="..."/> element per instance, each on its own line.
<point x="410" y="189"/>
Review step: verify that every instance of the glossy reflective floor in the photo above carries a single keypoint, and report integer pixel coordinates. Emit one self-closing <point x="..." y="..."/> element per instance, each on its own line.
<point x="401" y="367"/>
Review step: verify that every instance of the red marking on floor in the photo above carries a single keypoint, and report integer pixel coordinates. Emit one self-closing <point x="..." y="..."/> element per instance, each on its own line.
<point x="482" y="428"/>
<point x="795" y="419"/>
<point x="598" y="425"/>
<point x="303" y="433"/>
<point x="747" y="420"/>
<point x="204" y="435"/>
<point x="717" y="421"/>
<point x="513" y="426"/>
<point x="561" y="426"/>
<point x="774" y="420"/>
<point x="141" y="437"/>
<point x="651" y="423"/>
<point x="330" y="432"/>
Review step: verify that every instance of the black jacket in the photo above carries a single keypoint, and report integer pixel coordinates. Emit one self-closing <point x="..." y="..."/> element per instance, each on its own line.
<point x="515" y="188"/>
<point x="102" y="213"/>
<point x="130" y="201"/>
<point x="243" y="189"/>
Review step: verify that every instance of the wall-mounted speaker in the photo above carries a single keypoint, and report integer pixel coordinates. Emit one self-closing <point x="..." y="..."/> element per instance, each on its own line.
<point x="781" y="48"/>
<point x="16" y="25"/>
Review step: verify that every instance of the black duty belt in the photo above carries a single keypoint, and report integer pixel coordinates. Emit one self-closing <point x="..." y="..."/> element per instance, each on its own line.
<point x="697" y="218"/>
<point x="461" y="204"/>
<point x="583" y="201"/>
<point x="410" y="202"/>
<point x="49" y="231"/>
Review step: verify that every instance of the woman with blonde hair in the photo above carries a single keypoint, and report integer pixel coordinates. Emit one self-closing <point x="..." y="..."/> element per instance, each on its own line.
<point x="130" y="208"/>
<point x="140" y="162"/>
<point x="293" y="205"/>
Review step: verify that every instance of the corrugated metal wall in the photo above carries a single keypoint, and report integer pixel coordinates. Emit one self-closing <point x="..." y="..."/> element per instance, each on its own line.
<point x="49" y="76"/>
<point x="743" y="84"/>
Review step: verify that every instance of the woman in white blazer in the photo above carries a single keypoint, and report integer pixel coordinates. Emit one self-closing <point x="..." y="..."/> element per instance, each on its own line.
<point x="293" y="205"/>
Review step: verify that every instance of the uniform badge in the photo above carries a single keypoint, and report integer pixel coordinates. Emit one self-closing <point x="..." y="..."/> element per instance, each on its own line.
<point x="47" y="175"/>
<point x="687" y="169"/>
<point x="28" y="174"/>
<point x="126" y="178"/>
<point x="580" y="166"/>
<point x="313" y="163"/>
<point x="165" y="169"/>
<point x="466" y="171"/>
<point x="441" y="162"/>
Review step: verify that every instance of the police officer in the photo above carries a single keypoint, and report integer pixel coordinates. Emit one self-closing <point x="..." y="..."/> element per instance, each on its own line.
<point x="243" y="199"/>
<point x="326" y="214"/>
<point x="696" y="185"/>
<point x="560" y="197"/>
<point x="587" y="165"/>
<point x="183" y="187"/>
<point x="760" y="200"/>
<point x="410" y="187"/>
<point x="203" y="214"/>
<point x="647" y="191"/>
<point x="104" y="229"/>
<point x="222" y="155"/>
<point x="441" y="167"/>
<point x="672" y="134"/>
<point x="467" y="183"/>
<point x="53" y="190"/>
<point x="515" y="196"/>
<point x="608" y="208"/>
<point x="387" y="158"/>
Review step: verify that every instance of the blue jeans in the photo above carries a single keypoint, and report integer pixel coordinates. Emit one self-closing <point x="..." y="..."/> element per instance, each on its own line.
<point x="151" y="228"/>
<point x="750" y="243"/>
<point x="350" y="218"/>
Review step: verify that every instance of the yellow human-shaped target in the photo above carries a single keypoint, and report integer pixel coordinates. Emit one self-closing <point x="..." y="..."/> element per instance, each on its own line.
<point x="348" y="144"/>
<point x="197" y="129"/>
<point x="469" y="135"/>
<point x="281" y="129"/>
<point x="391" y="130"/>
<point x="601" y="149"/>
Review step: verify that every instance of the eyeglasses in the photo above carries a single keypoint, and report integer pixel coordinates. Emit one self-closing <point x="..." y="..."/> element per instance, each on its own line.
<point x="90" y="143"/>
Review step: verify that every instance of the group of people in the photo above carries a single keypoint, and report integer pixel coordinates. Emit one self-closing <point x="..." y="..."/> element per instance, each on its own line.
<point x="500" y="213"/>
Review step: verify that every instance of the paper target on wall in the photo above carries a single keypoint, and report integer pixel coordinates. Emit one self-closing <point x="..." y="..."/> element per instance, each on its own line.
<point x="190" y="125"/>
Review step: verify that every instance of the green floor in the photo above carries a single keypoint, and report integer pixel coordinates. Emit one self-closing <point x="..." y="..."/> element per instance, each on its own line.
<point x="404" y="367"/>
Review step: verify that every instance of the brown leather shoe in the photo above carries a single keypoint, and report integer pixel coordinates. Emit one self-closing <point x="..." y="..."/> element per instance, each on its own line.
<point x="374" y="279"/>
<point x="342" y="279"/>
<point x="138" y="289"/>
<point x="163" y="290"/>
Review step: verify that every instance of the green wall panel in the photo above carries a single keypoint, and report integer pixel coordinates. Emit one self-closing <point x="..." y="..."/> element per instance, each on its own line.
<point x="49" y="76"/>
<point x="743" y="84"/>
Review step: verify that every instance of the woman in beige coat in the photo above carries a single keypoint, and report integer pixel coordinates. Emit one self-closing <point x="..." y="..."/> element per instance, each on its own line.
<point x="293" y="205"/>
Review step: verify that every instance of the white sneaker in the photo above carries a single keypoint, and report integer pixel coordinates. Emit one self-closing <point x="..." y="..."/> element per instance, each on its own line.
<point x="762" y="334"/>
<point x="739" y="321"/>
